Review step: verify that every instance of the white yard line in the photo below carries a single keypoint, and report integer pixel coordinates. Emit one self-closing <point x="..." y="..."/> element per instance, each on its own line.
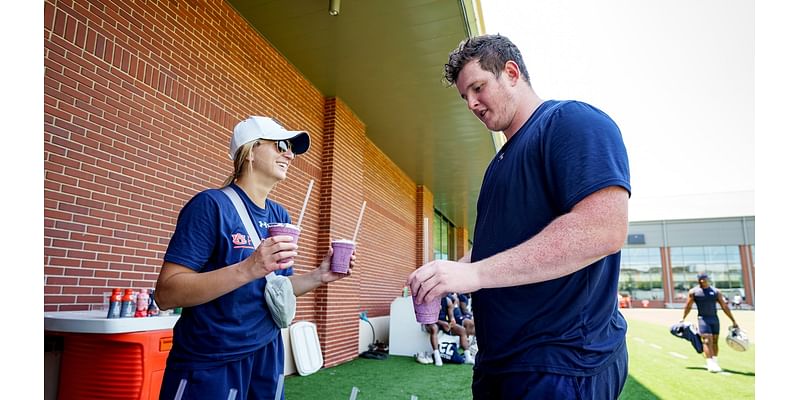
<point x="674" y="354"/>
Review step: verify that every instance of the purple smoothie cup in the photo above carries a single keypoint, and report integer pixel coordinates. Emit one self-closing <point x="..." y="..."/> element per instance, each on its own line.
<point x="342" y="251"/>
<point x="427" y="313"/>
<point x="284" y="230"/>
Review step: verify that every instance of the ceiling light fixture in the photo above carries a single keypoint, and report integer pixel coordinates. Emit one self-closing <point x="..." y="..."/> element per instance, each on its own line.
<point x="333" y="7"/>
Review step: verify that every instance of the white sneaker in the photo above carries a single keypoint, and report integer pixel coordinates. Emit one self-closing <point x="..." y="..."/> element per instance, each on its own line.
<point x="473" y="345"/>
<point x="437" y="359"/>
<point x="712" y="366"/>
<point x="423" y="358"/>
<point x="468" y="359"/>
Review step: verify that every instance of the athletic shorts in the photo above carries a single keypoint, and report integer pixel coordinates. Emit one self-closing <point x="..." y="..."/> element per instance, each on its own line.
<point x="606" y="385"/>
<point x="252" y="377"/>
<point x="460" y="318"/>
<point x="708" y="325"/>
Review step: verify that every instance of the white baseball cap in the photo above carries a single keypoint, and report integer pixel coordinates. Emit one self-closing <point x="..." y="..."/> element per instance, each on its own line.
<point x="257" y="127"/>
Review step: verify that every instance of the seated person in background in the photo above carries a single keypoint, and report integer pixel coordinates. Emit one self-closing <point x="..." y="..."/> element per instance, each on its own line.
<point x="447" y="323"/>
<point x="737" y="301"/>
<point x="464" y="303"/>
<point x="461" y="312"/>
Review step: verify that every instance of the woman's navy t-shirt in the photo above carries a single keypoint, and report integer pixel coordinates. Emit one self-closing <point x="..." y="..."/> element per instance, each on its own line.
<point x="209" y="235"/>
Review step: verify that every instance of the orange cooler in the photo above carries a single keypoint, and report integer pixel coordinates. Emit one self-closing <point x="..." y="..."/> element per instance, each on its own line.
<point x="111" y="358"/>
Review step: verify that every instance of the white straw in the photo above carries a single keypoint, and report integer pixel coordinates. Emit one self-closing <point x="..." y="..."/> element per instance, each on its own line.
<point x="361" y="214"/>
<point x="305" y="203"/>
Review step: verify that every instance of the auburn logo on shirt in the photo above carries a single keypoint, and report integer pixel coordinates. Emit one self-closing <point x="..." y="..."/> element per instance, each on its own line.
<point x="241" y="241"/>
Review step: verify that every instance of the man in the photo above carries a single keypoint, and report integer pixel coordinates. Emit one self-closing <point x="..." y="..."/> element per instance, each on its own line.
<point x="552" y="218"/>
<point x="707" y="297"/>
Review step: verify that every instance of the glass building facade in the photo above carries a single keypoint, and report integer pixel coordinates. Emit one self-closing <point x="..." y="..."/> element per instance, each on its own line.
<point x="640" y="274"/>
<point x="661" y="261"/>
<point x="443" y="238"/>
<point x="722" y="264"/>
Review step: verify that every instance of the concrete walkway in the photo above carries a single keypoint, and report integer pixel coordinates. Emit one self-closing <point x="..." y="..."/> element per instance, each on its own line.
<point x="668" y="317"/>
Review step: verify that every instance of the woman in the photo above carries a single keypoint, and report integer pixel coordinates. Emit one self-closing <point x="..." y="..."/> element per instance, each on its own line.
<point x="226" y="344"/>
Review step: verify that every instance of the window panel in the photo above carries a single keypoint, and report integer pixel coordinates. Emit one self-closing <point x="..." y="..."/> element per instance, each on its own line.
<point x="640" y="274"/>
<point x="715" y="254"/>
<point x="721" y="263"/>
<point x="443" y="238"/>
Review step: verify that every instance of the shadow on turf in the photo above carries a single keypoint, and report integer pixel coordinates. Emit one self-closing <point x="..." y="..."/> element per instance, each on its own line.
<point x="730" y="371"/>
<point x="633" y="390"/>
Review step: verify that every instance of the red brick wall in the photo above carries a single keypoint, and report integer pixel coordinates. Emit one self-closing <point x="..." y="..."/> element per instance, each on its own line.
<point x="462" y="242"/>
<point x="336" y="307"/>
<point x="139" y="102"/>
<point x="424" y="210"/>
<point x="387" y="238"/>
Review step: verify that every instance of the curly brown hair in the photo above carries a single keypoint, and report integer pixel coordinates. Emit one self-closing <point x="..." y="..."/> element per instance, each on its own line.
<point x="491" y="51"/>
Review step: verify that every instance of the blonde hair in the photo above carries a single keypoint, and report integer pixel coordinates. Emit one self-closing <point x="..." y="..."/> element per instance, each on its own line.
<point x="240" y="160"/>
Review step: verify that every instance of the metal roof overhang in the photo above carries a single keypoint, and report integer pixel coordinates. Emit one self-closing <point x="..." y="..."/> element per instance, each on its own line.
<point x="384" y="59"/>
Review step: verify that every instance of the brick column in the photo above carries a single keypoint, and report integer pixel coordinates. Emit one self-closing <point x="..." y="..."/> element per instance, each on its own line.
<point x="342" y="193"/>
<point x="462" y="242"/>
<point x="666" y="273"/>
<point x="748" y="274"/>
<point x="424" y="210"/>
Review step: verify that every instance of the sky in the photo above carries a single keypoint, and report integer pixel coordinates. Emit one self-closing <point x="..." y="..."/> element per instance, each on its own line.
<point x="676" y="76"/>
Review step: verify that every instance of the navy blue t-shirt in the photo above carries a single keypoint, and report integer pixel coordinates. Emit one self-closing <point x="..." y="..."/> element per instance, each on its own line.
<point x="566" y="151"/>
<point x="443" y="315"/>
<point x="209" y="235"/>
<point x="706" y="300"/>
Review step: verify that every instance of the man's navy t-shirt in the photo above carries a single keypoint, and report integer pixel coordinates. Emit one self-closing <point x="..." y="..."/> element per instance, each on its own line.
<point x="706" y="300"/>
<point x="566" y="151"/>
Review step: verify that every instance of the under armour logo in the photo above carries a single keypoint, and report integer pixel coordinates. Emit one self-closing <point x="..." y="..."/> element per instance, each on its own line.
<point x="501" y="155"/>
<point x="262" y="224"/>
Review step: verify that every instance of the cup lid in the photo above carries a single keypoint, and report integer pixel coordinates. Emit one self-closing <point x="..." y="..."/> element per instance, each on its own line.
<point x="271" y="224"/>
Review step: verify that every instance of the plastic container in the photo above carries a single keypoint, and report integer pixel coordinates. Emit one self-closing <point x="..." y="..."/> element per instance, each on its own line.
<point x="305" y="347"/>
<point x="114" y="366"/>
<point x="115" y="304"/>
<point x="119" y="358"/>
<point x="128" y="304"/>
<point x="152" y="308"/>
<point x="142" y="302"/>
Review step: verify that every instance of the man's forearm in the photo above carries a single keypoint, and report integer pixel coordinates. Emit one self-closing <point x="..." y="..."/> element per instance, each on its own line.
<point x="686" y="309"/>
<point x="727" y="312"/>
<point x="467" y="257"/>
<point x="594" y="228"/>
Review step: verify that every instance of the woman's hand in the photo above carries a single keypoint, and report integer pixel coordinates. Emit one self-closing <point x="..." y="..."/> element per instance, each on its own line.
<point x="325" y="267"/>
<point x="274" y="253"/>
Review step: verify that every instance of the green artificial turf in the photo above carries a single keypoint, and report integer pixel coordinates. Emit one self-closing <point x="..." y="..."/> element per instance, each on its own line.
<point x="653" y="373"/>
<point x="394" y="378"/>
